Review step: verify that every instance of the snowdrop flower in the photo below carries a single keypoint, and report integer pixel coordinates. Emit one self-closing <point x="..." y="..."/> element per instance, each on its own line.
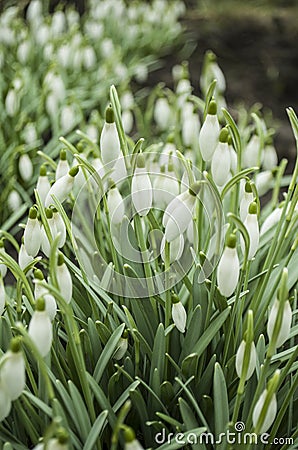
<point x="64" y="279"/>
<point x="41" y="290"/>
<point x="209" y="133"/>
<point x="5" y="402"/>
<point x="162" y="113"/>
<point x="45" y="243"/>
<point x="62" y="187"/>
<point x="176" y="248"/>
<point x="13" y="377"/>
<point x="58" y="443"/>
<point x="89" y="57"/>
<point x="178" y="213"/>
<point x="115" y="205"/>
<point x="190" y="129"/>
<point x="264" y="182"/>
<point x="3" y="267"/>
<point x="221" y="161"/>
<point x="127" y="120"/>
<point x="68" y="118"/>
<point x="269" y="414"/>
<point x="271" y="220"/>
<point x="40" y="328"/>
<point x="178" y="314"/>
<point x="43" y="185"/>
<point x="141" y="73"/>
<point x="62" y="166"/>
<point x="251" y="152"/>
<point x="32" y="233"/>
<point x="252" y="226"/>
<point x="12" y="102"/>
<point x="270" y="159"/>
<point x="285" y="326"/>
<point x="240" y="358"/>
<point x="228" y="268"/>
<point x="2" y="296"/>
<point x="14" y="200"/>
<point x="109" y="140"/>
<point x="131" y="443"/>
<point x="23" y="258"/>
<point x="25" y="167"/>
<point x="183" y="90"/>
<point x="122" y="346"/>
<point x="246" y="200"/>
<point x="141" y="188"/>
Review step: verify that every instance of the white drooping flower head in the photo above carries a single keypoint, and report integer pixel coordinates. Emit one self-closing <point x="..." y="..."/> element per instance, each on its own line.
<point x="179" y="315"/>
<point x="13" y="376"/>
<point x="3" y="267"/>
<point x="285" y="326"/>
<point x="209" y="133"/>
<point x="62" y="166"/>
<point x="179" y="213"/>
<point x="25" y="167"/>
<point x="162" y="113"/>
<point x="263" y="418"/>
<point x="32" y="233"/>
<point x="221" y="159"/>
<point x="264" y="182"/>
<point x="40" y="328"/>
<point x="240" y="358"/>
<point x="252" y="226"/>
<point x="131" y="443"/>
<point x="228" y="268"/>
<point x="175" y="248"/>
<point x="62" y="187"/>
<point x="270" y="159"/>
<point x="109" y="140"/>
<point x="41" y="290"/>
<point x="115" y="205"/>
<point x="141" y="188"/>
<point x="246" y="200"/>
<point x="5" y="402"/>
<point x="251" y="152"/>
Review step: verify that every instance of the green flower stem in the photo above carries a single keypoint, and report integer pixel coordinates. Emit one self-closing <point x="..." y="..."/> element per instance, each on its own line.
<point x="240" y="304"/>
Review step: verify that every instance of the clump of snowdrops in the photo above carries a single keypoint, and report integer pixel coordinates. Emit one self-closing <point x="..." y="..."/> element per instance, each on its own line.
<point x="153" y="293"/>
<point x="56" y="69"/>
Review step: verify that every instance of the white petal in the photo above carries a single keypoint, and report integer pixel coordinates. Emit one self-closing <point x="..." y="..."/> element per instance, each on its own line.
<point x="32" y="237"/>
<point x="221" y="164"/>
<point x="64" y="282"/>
<point x="25" y="167"/>
<point x="5" y="403"/>
<point x="109" y="144"/>
<point x="285" y="328"/>
<point x="40" y="331"/>
<point x="61" y="188"/>
<point x="121" y="349"/>
<point x="43" y="186"/>
<point x="271" y="412"/>
<point x="23" y="258"/>
<point x="271" y="220"/>
<point x="178" y="215"/>
<point x="62" y="169"/>
<point x="2" y="296"/>
<point x="141" y="191"/>
<point x="246" y="200"/>
<point x="176" y="248"/>
<point x="13" y="375"/>
<point x="228" y="272"/>
<point x="208" y="138"/>
<point x="115" y="206"/>
<point x="179" y="316"/>
<point x="252" y="226"/>
<point x="239" y="360"/>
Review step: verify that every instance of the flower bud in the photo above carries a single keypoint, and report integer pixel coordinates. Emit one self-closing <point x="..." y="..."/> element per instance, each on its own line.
<point x="59" y="227"/>
<point x="109" y="140"/>
<point x="12" y="102"/>
<point x="270" y="159"/>
<point x="127" y="120"/>
<point x="25" y="167"/>
<point x="208" y="138"/>
<point x="13" y="377"/>
<point x="62" y="166"/>
<point x="32" y="233"/>
<point x="178" y="314"/>
<point x="162" y="113"/>
<point x="14" y="200"/>
<point x="122" y="346"/>
<point x="251" y="152"/>
<point x="166" y="187"/>
<point x="264" y="182"/>
<point x="40" y="328"/>
<point x="43" y="185"/>
<point x="266" y="407"/>
<point x="62" y="187"/>
<point x="221" y="162"/>
<point x="285" y="322"/>
<point x="23" y="258"/>
<point x="240" y="359"/>
<point x="64" y="279"/>
<point x="141" y="188"/>
<point x="252" y="226"/>
<point x="271" y="220"/>
<point x="228" y="268"/>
